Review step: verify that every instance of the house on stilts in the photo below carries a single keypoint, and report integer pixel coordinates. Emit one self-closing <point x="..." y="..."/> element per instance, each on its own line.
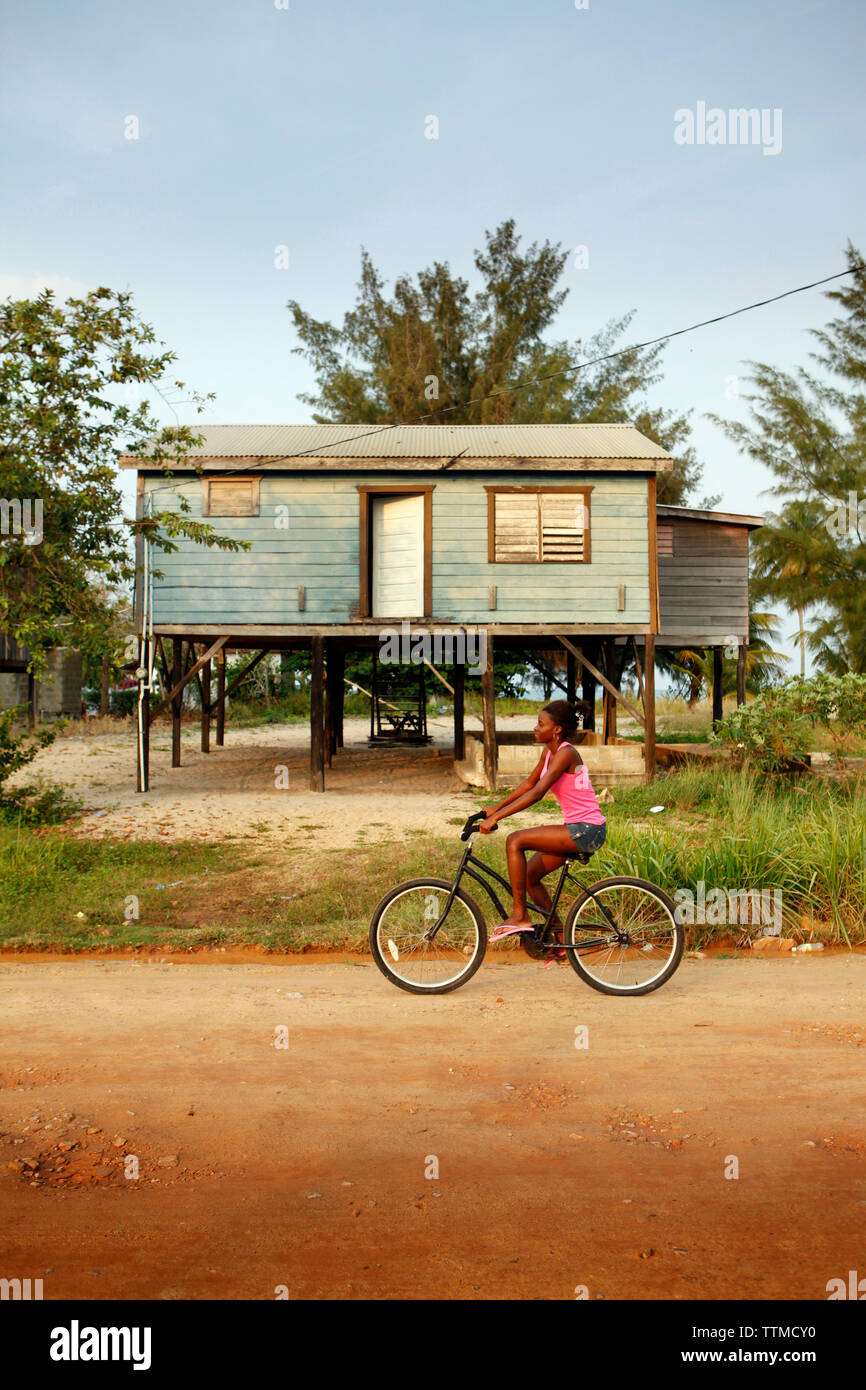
<point x="540" y="537"/>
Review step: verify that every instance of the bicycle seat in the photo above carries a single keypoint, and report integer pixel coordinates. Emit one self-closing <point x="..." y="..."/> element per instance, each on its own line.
<point x="583" y="855"/>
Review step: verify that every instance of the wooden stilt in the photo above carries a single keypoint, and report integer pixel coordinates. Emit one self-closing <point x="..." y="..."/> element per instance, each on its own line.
<point x="615" y="665"/>
<point x="317" y="721"/>
<point x="637" y="668"/>
<point x="190" y="674"/>
<point x="164" y="672"/>
<point x="205" y="706"/>
<point x="339" y="694"/>
<point x="221" y="699"/>
<point x="488" y="711"/>
<point x="177" y="702"/>
<point x="459" y="712"/>
<point x="570" y="676"/>
<point x="330" y="702"/>
<point x="741" y="673"/>
<point x="649" y="704"/>
<point x="608" y="718"/>
<point x="717" y="685"/>
<point x="588" y="690"/>
<point x="608" y="700"/>
<point x="604" y="679"/>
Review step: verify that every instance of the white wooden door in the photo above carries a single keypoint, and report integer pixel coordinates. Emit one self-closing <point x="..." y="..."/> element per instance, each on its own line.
<point x="398" y="557"/>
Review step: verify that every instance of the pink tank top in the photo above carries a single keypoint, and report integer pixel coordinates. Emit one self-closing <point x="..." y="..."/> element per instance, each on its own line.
<point x="573" y="791"/>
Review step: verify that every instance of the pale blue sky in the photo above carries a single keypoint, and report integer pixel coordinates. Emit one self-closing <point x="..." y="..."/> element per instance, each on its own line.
<point x="305" y="127"/>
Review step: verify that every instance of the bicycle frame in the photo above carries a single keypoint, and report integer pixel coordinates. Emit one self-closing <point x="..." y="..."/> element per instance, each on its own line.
<point x="464" y="870"/>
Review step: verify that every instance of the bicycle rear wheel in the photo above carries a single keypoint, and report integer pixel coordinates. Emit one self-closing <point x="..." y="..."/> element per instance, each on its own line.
<point x="399" y="937"/>
<point x="640" y="951"/>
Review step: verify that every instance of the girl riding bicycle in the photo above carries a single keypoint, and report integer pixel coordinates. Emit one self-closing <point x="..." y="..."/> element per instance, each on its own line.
<point x="562" y="772"/>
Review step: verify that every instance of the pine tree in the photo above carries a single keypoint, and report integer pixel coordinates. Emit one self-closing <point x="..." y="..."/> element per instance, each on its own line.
<point x="432" y="351"/>
<point x="808" y="428"/>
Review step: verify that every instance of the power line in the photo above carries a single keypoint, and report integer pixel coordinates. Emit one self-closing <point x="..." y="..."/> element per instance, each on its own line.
<point x="548" y="376"/>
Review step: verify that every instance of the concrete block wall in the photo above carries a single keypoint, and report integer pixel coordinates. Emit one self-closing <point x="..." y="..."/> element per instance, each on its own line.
<point x="58" y="693"/>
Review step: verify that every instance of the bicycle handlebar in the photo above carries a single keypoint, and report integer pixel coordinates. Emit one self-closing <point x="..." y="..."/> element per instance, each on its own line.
<point x="472" y="824"/>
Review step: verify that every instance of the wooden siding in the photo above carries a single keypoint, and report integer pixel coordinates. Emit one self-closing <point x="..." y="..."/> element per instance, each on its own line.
<point x="318" y="547"/>
<point x="704" y="584"/>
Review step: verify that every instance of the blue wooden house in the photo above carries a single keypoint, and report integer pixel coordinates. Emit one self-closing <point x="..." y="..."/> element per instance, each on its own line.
<point x="542" y="535"/>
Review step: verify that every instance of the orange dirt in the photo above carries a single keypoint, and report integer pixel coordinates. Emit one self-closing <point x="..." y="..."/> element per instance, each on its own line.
<point x="306" y="1166"/>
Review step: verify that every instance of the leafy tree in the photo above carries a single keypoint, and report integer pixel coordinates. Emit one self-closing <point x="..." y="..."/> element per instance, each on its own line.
<point x="809" y="429"/>
<point x="103" y="663"/>
<point x="432" y="350"/>
<point x="63" y="370"/>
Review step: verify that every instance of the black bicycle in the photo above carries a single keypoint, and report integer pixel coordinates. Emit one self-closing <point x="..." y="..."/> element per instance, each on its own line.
<point x="621" y="935"/>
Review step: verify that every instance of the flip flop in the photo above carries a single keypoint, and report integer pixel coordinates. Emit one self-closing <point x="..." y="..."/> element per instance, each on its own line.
<point x="503" y="930"/>
<point x="558" y="958"/>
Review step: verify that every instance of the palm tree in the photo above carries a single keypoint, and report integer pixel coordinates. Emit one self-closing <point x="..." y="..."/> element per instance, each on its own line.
<point x="789" y="561"/>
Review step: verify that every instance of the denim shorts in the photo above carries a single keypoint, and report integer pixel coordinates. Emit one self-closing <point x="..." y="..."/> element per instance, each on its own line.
<point x="587" y="838"/>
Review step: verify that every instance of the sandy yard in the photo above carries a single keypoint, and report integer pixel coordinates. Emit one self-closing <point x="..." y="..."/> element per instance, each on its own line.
<point x="233" y="790"/>
<point x="454" y="1147"/>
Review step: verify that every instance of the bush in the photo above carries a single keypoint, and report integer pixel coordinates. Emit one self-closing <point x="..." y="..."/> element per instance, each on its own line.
<point x="778" y="727"/>
<point x="17" y="750"/>
<point x="123" y="702"/>
<point x="39" y="803"/>
<point x="35" y="803"/>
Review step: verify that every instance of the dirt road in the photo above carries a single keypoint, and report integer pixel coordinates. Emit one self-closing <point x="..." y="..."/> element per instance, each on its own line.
<point x="551" y="1166"/>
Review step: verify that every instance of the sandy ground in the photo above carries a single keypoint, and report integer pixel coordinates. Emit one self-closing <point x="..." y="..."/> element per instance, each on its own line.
<point x="234" y="789"/>
<point x="307" y="1166"/>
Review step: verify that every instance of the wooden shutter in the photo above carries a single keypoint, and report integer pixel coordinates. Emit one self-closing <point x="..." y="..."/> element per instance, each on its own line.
<point x="233" y="497"/>
<point x="516" y="527"/>
<point x="563" y="525"/>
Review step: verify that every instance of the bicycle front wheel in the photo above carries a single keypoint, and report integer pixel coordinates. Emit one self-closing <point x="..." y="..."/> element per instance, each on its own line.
<point x="400" y="937"/>
<point x="627" y="937"/>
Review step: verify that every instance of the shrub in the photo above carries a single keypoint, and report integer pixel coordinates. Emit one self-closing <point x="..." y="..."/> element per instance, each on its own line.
<point x="33" y="803"/>
<point x="778" y="726"/>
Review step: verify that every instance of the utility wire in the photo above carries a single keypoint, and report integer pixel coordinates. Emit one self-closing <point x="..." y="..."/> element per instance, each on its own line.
<point x="548" y="376"/>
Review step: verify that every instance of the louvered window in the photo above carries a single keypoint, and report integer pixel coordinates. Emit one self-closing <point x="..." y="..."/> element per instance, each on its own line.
<point x="538" y="526"/>
<point x="563" y="524"/>
<point x="230" y="496"/>
<point x="666" y="540"/>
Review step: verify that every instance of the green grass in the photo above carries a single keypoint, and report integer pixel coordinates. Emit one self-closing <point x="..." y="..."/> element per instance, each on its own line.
<point x="701" y="735"/>
<point x="734" y="830"/>
<point x="47" y="879"/>
<point x="805" y="838"/>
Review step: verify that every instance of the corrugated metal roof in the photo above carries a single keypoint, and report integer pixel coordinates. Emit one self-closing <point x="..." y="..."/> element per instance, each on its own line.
<point x="426" y="441"/>
<point x="670" y="513"/>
